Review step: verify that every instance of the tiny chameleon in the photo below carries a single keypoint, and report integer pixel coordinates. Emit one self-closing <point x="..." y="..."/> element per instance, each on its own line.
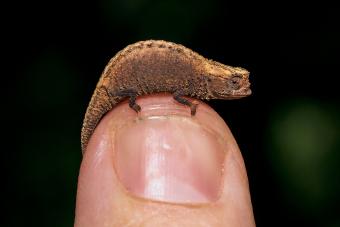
<point x="155" y="66"/>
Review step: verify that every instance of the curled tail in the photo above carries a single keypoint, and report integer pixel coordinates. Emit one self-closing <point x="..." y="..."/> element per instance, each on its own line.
<point x="99" y="105"/>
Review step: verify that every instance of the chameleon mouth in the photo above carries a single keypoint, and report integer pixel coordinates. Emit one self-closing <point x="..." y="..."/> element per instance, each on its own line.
<point x="244" y="92"/>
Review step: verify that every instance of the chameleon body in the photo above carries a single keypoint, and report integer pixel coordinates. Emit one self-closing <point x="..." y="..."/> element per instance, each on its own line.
<point x="155" y="66"/>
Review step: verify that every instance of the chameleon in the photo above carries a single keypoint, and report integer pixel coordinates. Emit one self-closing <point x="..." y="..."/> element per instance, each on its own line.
<point x="158" y="66"/>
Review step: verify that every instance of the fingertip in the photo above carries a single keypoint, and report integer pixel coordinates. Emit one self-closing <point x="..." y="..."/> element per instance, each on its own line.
<point x="162" y="161"/>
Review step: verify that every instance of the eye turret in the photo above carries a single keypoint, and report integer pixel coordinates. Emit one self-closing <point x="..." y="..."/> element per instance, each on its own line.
<point x="234" y="82"/>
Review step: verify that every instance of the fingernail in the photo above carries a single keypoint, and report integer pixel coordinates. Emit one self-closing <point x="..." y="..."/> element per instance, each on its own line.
<point x="170" y="158"/>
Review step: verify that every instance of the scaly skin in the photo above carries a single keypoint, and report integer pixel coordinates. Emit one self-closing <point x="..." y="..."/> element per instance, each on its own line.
<point x="153" y="66"/>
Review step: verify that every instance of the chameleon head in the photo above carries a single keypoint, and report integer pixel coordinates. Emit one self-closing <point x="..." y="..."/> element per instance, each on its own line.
<point x="225" y="82"/>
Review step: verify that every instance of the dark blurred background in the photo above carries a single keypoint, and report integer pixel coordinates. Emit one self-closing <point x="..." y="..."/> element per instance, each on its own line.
<point x="288" y="130"/>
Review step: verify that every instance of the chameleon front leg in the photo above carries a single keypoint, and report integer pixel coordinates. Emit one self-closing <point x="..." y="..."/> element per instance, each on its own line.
<point x="178" y="96"/>
<point x="132" y="94"/>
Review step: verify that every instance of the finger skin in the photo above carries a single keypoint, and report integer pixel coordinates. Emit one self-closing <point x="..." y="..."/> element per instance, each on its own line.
<point x="102" y="200"/>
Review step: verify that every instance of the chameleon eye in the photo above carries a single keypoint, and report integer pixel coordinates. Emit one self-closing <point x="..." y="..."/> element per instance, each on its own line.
<point x="234" y="82"/>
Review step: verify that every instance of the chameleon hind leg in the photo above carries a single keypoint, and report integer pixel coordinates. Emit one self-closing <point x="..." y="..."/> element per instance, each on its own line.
<point x="132" y="94"/>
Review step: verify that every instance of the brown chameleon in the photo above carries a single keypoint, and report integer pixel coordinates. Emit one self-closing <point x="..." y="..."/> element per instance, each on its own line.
<point x="155" y="66"/>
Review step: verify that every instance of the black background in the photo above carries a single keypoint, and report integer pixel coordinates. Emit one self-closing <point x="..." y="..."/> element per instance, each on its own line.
<point x="55" y="51"/>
